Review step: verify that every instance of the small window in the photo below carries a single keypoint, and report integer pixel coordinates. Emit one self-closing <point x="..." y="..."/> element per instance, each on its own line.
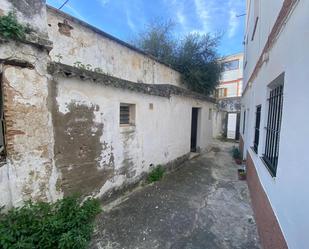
<point x="231" y="65"/>
<point x="127" y="114"/>
<point x="273" y="127"/>
<point x="257" y="128"/>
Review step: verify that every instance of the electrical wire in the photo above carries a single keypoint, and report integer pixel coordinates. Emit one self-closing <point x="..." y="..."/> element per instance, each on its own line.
<point x="63" y="4"/>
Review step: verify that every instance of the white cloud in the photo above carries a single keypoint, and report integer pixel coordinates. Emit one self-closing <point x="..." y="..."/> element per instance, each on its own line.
<point x="130" y="21"/>
<point x="204" y="15"/>
<point x="233" y="23"/>
<point x="178" y="8"/>
<point x="104" y="2"/>
<point x="181" y="17"/>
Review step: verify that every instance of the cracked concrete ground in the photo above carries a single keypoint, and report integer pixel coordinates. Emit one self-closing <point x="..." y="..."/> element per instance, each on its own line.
<point x="201" y="206"/>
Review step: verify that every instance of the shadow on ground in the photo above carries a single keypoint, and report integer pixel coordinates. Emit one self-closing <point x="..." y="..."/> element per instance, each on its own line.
<point x="200" y="206"/>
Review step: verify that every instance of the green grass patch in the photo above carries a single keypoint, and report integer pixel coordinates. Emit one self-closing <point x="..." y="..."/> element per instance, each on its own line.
<point x="156" y="174"/>
<point x="66" y="224"/>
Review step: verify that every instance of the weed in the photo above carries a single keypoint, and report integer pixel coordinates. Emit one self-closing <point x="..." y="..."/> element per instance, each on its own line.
<point x="64" y="224"/>
<point x="10" y="28"/>
<point x="156" y="174"/>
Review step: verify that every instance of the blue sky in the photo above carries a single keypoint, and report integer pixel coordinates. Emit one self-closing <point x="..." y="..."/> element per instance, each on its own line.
<point x="125" y="18"/>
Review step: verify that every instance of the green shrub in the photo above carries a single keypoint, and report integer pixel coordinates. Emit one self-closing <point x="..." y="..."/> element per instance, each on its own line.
<point x="156" y="174"/>
<point x="10" y="28"/>
<point x="66" y="224"/>
<point x="236" y="153"/>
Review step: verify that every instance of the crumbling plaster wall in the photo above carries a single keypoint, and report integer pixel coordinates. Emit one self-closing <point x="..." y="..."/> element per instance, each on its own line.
<point x="29" y="12"/>
<point x="80" y="43"/>
<point x="96" y="155"/>
<point x="29" y="171"/>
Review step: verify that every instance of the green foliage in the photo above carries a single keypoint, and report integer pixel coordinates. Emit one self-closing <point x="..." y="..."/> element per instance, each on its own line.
<point x="236" y="153"/>
<point x="197" y="61"/>
<point x="10" y="28"/>
<point x="66" y="224"/>
<point x="157" y="40"/>
<point x="194" y="56"/>
<point x="156" y="174"/>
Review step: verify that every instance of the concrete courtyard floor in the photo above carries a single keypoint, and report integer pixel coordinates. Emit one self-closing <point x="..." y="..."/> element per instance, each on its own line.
<point x="201" y="206"/>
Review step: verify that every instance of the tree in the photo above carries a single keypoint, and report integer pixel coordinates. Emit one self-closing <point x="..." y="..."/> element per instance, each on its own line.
<point x="194" y="56"/>
<point x="197" y="61"/>
<point x="157" y="41"/>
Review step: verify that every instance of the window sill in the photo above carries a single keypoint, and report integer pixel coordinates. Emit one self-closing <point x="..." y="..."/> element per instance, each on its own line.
<point x="127" y="128"/>
<point x="257" y="157"/>
<point x="271" y="172"/>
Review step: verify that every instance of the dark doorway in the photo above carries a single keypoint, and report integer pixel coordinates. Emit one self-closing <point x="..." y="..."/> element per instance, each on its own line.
<point x="237" y="126"/>
<point x="194" y="129"/>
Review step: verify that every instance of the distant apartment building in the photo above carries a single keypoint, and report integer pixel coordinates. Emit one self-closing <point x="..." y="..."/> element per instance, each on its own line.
<point x="275" y="118"/>
<point x="228" y="94"/>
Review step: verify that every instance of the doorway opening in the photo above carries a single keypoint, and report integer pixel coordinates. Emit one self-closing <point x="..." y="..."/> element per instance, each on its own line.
<point x="194" y="129"/>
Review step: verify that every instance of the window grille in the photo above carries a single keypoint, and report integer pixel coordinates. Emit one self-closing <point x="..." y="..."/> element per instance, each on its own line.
<point x="127" y="114"/>
<point x="273" y="129"/>
<point x="257" y="128"/>
<point x="244" y="123"/>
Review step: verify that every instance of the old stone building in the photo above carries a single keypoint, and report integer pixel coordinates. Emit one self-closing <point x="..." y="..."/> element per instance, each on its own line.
<point x="83" y="112"/>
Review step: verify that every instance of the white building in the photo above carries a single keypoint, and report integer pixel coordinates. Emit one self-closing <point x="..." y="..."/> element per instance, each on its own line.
<point x="275" y="118"/>
<point x="228" y="94"/>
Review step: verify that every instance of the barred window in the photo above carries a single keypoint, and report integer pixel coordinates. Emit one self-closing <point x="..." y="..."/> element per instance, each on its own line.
<point x="273" y="127"/>
<point x="244" y="123"/>
<point x="127" y="114"/>
<point x="257" y="128"/>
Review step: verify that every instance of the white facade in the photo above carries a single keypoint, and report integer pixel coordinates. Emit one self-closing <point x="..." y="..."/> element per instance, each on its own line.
<point x="288" y="191"/>
<point x="160" y="134"/>
<point x="231" y="78"/>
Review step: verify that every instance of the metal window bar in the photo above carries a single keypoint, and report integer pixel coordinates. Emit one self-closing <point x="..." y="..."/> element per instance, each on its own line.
<point x="273" y="129"/>
<point x="124" y="114"/>
<point x="257" y="129"/>
<point x="244" y="123"/>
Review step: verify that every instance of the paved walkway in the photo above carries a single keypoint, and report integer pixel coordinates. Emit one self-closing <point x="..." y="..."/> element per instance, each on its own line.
<point x="200" y="206"/>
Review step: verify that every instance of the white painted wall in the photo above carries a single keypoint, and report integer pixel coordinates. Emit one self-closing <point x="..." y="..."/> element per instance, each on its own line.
<point x="288" y="192"/>
<point x="89" y="47"/>
<point x="268" y="12"/>
<point x="159" y="136"/>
